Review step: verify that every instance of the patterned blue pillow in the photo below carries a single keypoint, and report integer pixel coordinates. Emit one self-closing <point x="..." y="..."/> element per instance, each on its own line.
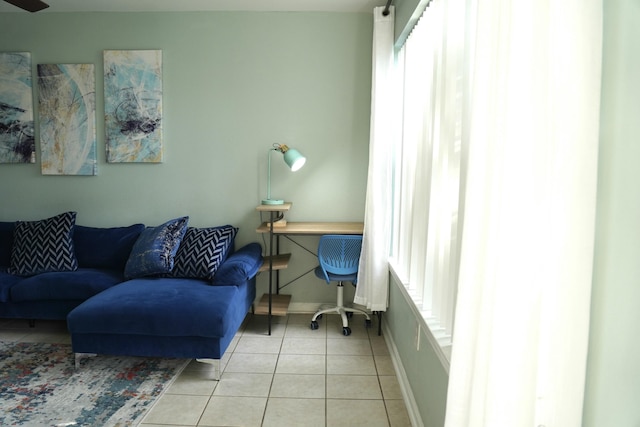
<point x="202" y="251"/>
<point x="155" y="250"/>
<point x="45" y="245"/>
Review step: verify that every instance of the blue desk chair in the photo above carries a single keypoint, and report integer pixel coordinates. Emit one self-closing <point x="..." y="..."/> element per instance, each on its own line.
<point x="339" y="257"/>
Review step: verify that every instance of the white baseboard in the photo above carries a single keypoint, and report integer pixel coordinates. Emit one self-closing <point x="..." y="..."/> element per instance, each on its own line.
<point x="403" y="380"/>
<point x="303" y="307"/>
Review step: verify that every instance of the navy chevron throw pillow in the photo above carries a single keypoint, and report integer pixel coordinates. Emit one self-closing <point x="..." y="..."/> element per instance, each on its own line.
<point x="43" y="246"/>
<point x="202" y="250"/>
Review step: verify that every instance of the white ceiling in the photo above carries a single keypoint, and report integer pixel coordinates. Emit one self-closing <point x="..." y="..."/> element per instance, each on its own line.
<point x="202" y="5"/>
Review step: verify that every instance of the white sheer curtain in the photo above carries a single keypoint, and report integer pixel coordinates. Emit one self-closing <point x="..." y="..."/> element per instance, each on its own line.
<point x="373" y="276"/>
<point x="428" y="164"/>
<point x="522" y="314"/>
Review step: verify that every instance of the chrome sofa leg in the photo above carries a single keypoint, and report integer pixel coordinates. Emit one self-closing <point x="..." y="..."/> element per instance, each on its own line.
<point x="80" y="356"/>
<point x="216" y="366"/>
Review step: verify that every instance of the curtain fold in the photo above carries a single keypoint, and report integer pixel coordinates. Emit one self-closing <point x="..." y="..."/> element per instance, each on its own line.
<point x="373" y="276"/>
<point x="522" y="314"/>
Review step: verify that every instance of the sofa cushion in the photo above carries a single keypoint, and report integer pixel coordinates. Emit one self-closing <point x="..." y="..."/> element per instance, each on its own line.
<point x="45" y="245"/>
<point x="155" y="249"/>
<point x="202" y="250"/>
<point x="6" y="242"/>
<point x="65" y="285"/>
<point x="242" y="265"/>
<point x="105" y="247"/>
<point x="7" y="281"/>
<point x="160" y="307"/>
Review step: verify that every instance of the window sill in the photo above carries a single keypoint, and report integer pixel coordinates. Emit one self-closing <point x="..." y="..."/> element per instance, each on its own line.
<point x="440" y="343"/>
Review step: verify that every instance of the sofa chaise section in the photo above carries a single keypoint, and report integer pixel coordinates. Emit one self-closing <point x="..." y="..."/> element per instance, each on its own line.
<point x="169" y="317"/>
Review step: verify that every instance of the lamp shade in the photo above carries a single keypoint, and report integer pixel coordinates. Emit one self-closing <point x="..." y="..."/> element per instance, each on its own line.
<point x="292" y="158"/>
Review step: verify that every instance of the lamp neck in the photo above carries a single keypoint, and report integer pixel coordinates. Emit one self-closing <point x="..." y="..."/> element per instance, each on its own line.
<point x="269" y="172"/>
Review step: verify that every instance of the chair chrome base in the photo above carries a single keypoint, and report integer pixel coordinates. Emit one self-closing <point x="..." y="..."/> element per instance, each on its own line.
<point x="344" y="312"/>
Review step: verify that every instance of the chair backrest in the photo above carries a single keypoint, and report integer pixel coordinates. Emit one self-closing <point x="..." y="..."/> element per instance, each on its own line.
<point x="339" y="254"/>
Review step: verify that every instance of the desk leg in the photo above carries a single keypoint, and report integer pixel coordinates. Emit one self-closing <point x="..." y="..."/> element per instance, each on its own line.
<point x="277" y="271"/>
<point x="271" y="219"/>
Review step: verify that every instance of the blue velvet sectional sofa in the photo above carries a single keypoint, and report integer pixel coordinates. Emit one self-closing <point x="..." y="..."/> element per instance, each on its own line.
<point x="164" y="291"/>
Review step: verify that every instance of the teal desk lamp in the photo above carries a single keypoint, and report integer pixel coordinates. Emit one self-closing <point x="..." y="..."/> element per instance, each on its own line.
<point x="292" y="158"/>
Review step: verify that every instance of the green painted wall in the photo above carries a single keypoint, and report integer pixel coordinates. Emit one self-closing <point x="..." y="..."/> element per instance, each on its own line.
<point x="426" y="376"/>
<point x="234" y="84"/>
<point x="613" y="376"/>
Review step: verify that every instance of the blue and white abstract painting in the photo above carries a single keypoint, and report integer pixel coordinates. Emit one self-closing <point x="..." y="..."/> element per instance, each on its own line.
<point x="133" y="105"/>
<point x="17" y="143"/>
<point x="67" y="111"/>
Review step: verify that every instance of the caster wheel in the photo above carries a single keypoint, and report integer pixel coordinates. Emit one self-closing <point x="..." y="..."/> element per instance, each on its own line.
<point x="314" y="325"/>
<point x="349" y="314"/>
<point x="346" y="331"/>
<point x="367" y="323"/>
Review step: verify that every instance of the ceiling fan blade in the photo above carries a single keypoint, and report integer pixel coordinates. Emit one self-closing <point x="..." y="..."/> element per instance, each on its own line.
<point x="29" y="5"/>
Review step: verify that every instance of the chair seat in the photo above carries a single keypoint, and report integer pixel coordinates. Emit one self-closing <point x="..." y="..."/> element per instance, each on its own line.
<point x="336" y="277"/>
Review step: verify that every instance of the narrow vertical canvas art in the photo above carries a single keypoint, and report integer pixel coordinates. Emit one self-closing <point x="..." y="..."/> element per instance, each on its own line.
<point x="17" y="143"/>
<point x="133" y="105"/>
<point x="67" y="110"/>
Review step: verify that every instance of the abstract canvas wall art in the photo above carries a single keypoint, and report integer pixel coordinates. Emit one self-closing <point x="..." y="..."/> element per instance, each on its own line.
<point x="17" y="143"/>
<point x="133" y="105"/>
<point x="67" y="112"/>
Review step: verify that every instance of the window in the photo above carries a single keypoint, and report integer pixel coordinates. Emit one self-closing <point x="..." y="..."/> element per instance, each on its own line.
<point x="428" y="166"/>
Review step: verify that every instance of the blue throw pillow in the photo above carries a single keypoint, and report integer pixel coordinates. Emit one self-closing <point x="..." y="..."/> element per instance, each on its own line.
<point x="43" y="246"/>
<point x="202" y="251"/>
<point x="155" y="250"/>
<point x="242" y="265"/>
<point x="105" y="247"/>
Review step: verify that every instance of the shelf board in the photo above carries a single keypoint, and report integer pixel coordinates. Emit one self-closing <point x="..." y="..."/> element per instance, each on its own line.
<point x="275" y="208"/>
<point x="279" y="305"/>
<point x="280" y="262"/>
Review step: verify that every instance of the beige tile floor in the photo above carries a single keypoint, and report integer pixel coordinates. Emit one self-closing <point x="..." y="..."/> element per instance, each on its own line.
<point x="294" y="377"/>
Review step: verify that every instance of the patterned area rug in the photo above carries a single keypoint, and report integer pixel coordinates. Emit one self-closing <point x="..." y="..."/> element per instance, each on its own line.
<point x="39" y="386"/>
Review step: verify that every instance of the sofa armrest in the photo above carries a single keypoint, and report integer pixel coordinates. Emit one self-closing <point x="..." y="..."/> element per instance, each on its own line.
<point x="240" y="266"/>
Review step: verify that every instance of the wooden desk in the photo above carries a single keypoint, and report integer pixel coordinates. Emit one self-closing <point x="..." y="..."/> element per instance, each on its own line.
<point x="281" y="261"/>
<point x="275" y="304"/>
